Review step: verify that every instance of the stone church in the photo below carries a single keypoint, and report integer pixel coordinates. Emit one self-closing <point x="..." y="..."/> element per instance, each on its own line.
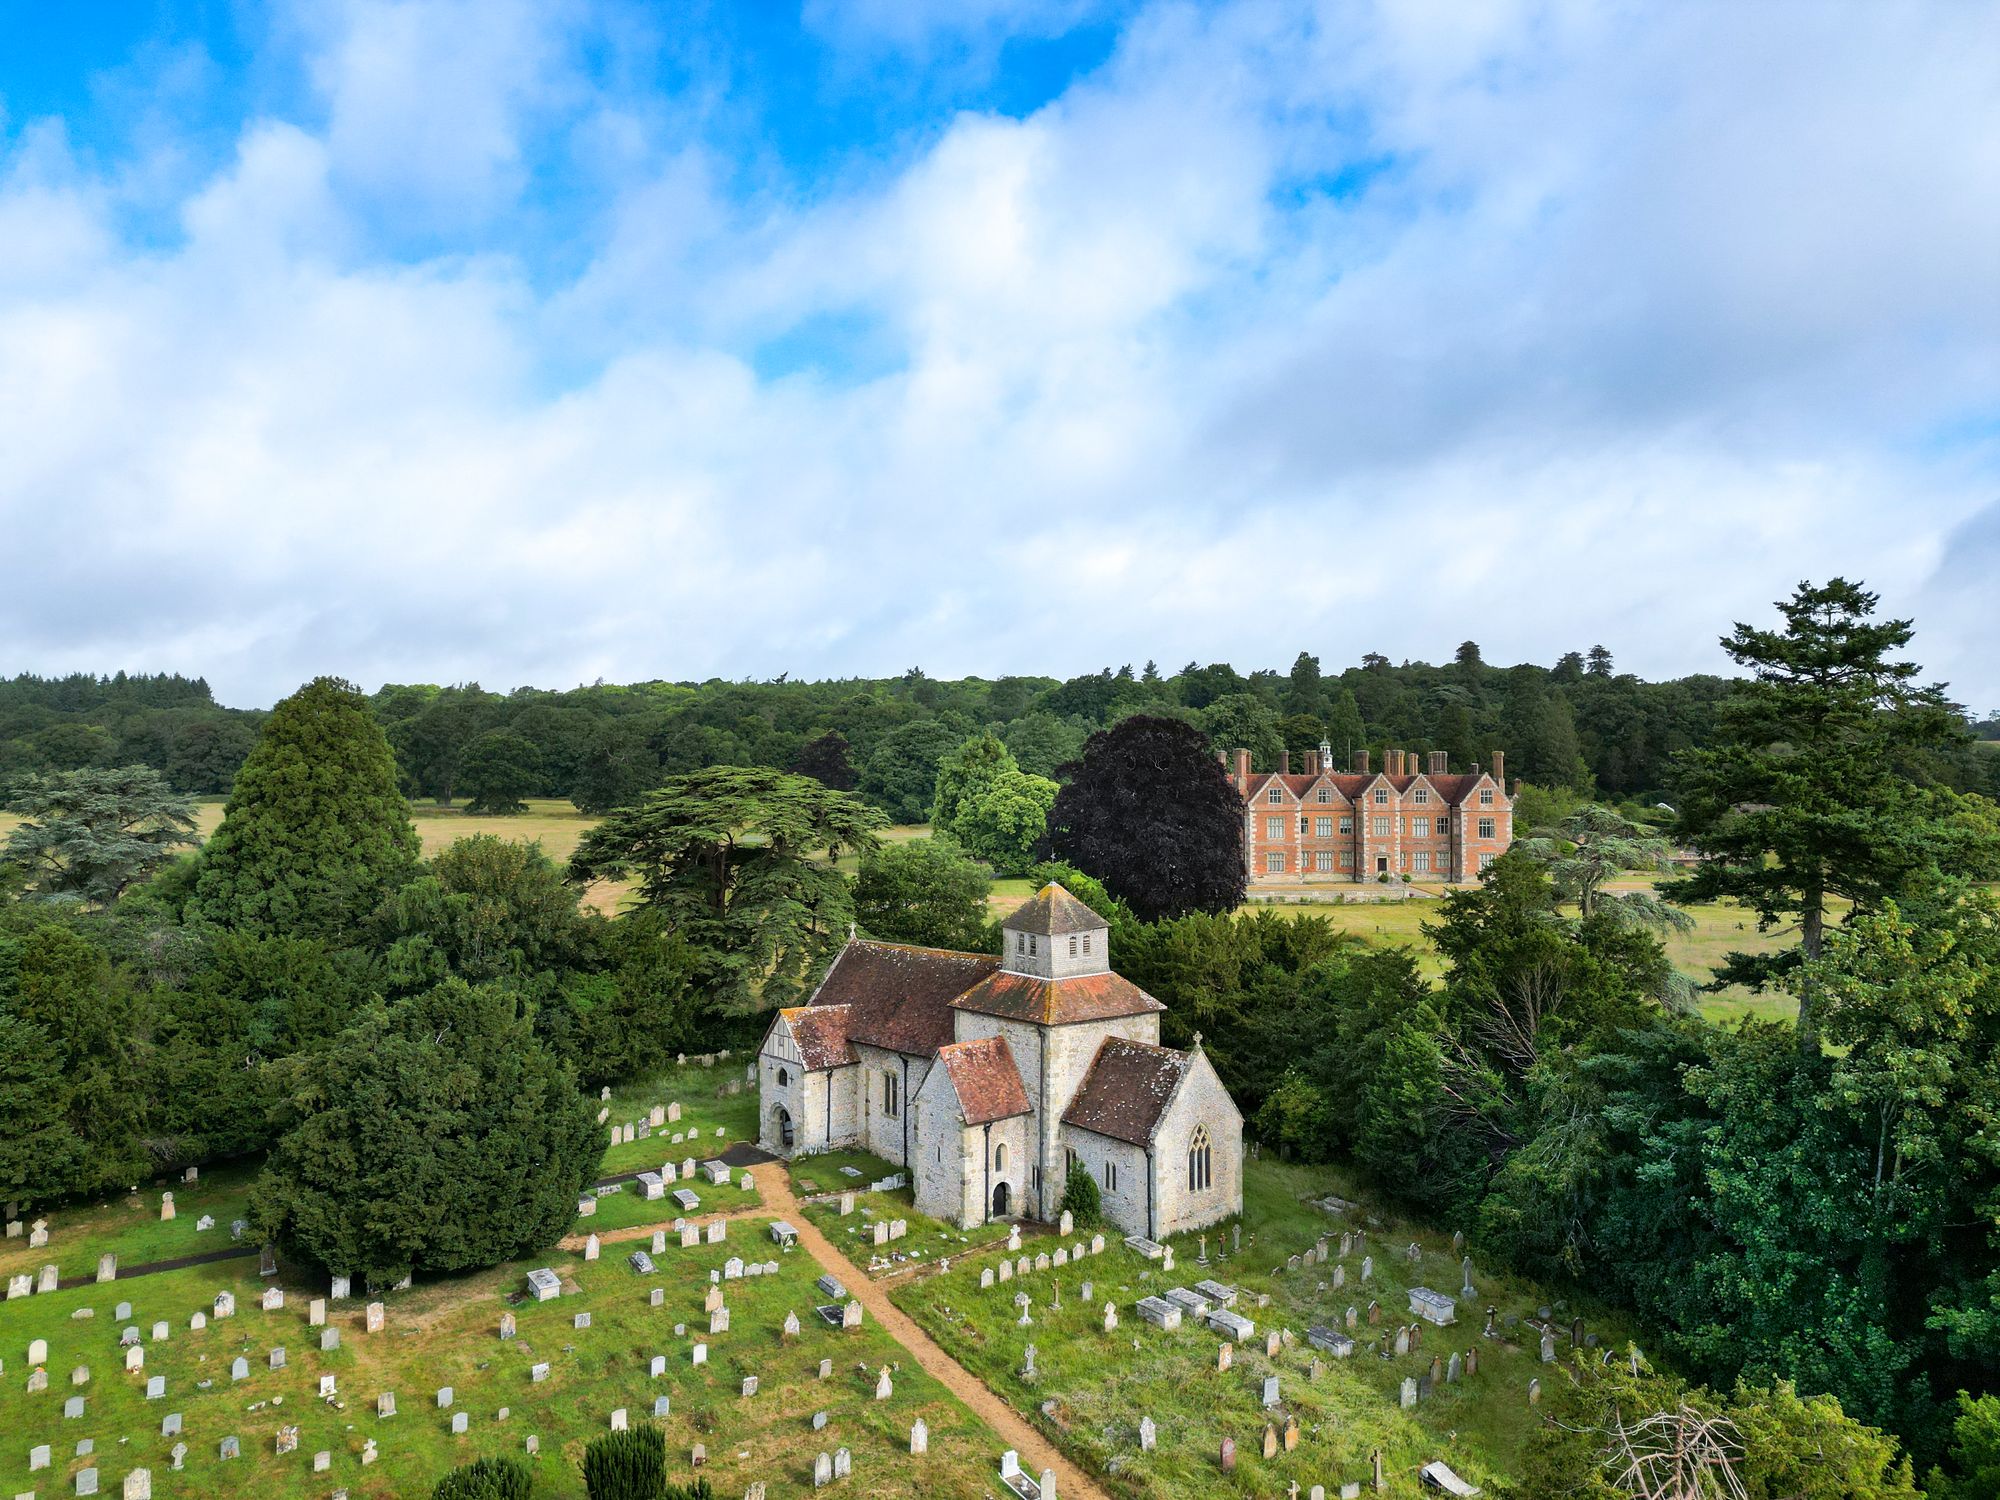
<point x="992" y="1079"/>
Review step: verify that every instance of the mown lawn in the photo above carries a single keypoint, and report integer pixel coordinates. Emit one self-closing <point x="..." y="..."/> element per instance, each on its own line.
<point x="448" y="1334"/>
<point x="1102" y="1384"/>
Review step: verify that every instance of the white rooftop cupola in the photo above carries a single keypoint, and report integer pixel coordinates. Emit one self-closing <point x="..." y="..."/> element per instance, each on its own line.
<point x="1055" y="936"/>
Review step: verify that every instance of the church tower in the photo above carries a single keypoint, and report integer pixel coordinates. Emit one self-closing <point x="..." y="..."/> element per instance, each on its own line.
<point x="1055" y="936"/>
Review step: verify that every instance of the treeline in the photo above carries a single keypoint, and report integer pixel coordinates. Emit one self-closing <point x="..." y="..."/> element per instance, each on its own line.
<point x="169" y="722"/>
<point x="1579" y="725"/>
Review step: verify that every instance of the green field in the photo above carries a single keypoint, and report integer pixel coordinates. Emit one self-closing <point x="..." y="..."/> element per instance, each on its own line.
<point x="1100" y="1384"/>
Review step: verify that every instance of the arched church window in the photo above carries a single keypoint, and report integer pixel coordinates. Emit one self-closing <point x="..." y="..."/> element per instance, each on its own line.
<point x="1198" y="1161"/>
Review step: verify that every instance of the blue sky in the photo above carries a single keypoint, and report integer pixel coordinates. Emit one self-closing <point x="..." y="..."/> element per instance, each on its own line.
<point x="537" y="342"/>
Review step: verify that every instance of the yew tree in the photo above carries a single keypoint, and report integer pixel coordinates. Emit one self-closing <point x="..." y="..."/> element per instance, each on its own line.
<point x="316" y="833"/>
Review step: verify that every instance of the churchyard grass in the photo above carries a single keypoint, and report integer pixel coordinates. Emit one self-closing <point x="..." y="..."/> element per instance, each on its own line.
<point x="706" y="1106"/>
<point x="925" y="1240"/>
<point x="1102" y="1385"/>
<point x="447" y="1333"/>
<point x="130" y="1227"/>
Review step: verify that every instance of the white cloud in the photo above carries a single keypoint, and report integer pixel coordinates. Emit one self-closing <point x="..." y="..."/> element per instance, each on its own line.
<point x="1621" y="323"/>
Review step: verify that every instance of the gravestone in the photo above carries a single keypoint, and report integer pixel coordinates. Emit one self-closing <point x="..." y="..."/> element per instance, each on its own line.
<point x="884" y="1387"/>
<point x="229" y="1447"/>
<point x="162" y="1332"/>
<point x="506" y="1325"/>
<point x="329" y="1340"/>
<point x="1548" y="1346"/>
<point x="581" y="1320"/>
<point x="278" y="1358"/>
<point x="107" y="1267"/>
<point x="749" y="1387"/>
<point x="170" y="1425"/>
<point x="288" y="1439"/>
<point x="445" y="1396"/>
<point x="538" y="1373"/>
<point x="1409" y="1392"/>
<point x="341" y="1289"/>
<point x="1225" y="1356"/>
<point x="822" y="1470"/>
<point x="1534" y="1393"/>
<point x="1270" y="1391"/>
<point x="274" y="1299"/>
<point x="385" y="1404"/>
<point x="1227" y="1456"/>
<point x="225" y="1304"/>
<point x="843" y="1463"/>
<point x="86" y="1481"/>
<point x="375" y="1317"/>
<point x="1270" y="1441"/>
<point x="197" y="1322"/>
<point x="460" y="1421"/>
<point x="139" y="1485"/>
<point x="239" y="1369"/>
<point x="661" y="1406"/>
<point x="156" y="1387"/>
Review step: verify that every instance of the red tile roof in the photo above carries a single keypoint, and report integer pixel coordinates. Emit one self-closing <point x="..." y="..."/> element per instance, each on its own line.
<point x="987" y="1083"/>
<point x="821" y="1034"/>
<point x="1053" y="912"/>
<point x="900" y="996"/>
<point x="1452" y="788"/>
<point x="1056" y="1002"/>
<point x="1127" y="1089"/>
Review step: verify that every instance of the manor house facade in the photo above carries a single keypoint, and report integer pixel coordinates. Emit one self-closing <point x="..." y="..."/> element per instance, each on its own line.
<point x="991" y="1079"/>
<point x="1413" y="820"/>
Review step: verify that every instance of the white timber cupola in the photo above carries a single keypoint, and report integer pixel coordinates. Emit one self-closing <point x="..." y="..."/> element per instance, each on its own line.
<point x="1055" y="936"/>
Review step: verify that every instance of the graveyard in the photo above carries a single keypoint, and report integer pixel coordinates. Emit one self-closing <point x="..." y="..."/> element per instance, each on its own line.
<point x="835" y="1190"/>
<point x="1454" y="1394"/>
<point x="215" y="1378"/>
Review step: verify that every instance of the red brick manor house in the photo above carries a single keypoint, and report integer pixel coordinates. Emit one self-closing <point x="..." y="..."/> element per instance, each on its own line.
<point x="1414" y="819"/>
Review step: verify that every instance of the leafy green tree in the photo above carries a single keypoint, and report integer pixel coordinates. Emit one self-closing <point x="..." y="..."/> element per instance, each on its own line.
<point x="1041" y="743"/>
<point x="1081" y="1198"/>
<point x="486" y="1479"/>
<point x="1004" y="821"/>
<point x="965" y="773"/>
<point x="1973" y="1471"/>
<point x="615" y="768"/>
<point x="1298" y="1117"/>
<point x="825" y="760"/>
<point x="924" y="891"/>
<point x="87" y="836"/>
<point x="1345" y="733"/>
<point x="628" y="1465"/>
<point x="1151" y="813"/>
<point x="485" y="908"/>
<point x="1803" y="799"/>
<point x="740" y="863"/>
<point x="900" y="775"/>
<point x="315" y="835"/>
<point x="431" y="745"/>
<point x="1622" y="1431"/>
<point x="500" y="769"/>
<point x="633" y="1004"/>
<point x="437" y="1136"/>
<point x="1243" y="721"/>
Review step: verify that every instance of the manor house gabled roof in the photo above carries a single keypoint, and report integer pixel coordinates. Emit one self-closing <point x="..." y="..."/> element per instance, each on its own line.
<point x="899" y="997"/>
<point x="1452" y="788"/>
<point x="1127" y="1089"/>
<point x="1053" y="912"/>
<point x="1056" y="1002"/>
<point x="984" y="1077"/>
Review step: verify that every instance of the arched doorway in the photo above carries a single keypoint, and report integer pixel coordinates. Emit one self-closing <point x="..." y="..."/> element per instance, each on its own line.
<point x="999" y="1200"/>
<point x="784" y="1127"/>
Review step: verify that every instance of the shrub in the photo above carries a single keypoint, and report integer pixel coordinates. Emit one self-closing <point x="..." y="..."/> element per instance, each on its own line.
<point x="630" y="1465"/>
<point x="1081" y="1199"/>
<point x="486" y="1479"/>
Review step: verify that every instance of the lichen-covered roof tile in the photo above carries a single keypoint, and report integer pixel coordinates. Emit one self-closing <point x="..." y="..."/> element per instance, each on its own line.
<point x="1126" y="1090"/>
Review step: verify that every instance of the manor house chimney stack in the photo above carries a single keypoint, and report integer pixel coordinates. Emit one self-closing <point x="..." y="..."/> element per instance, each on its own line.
<point x="1500" y="771"/>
